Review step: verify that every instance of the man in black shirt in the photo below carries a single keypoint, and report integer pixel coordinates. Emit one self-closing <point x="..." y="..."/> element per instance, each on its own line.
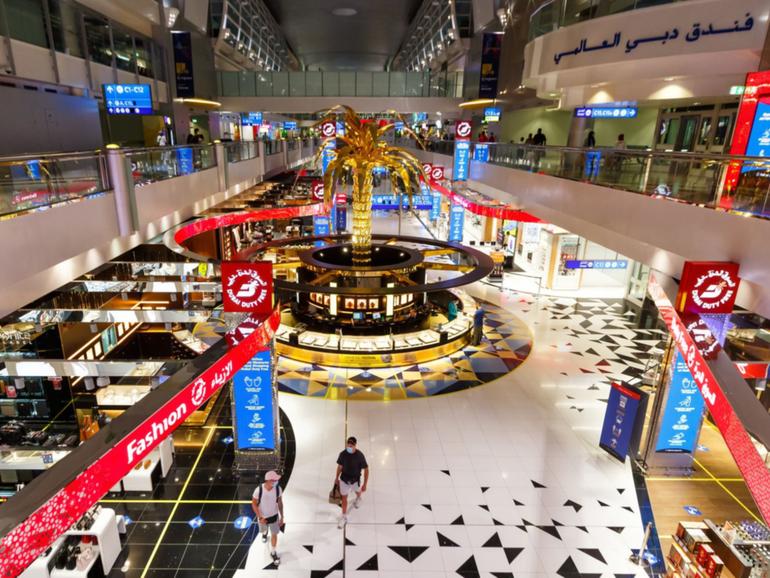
<point x="350" y="463"/>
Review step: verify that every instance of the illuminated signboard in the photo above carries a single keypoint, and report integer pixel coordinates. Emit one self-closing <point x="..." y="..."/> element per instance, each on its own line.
<point x="247" y="287"/>
<point x="128" y="98"/>
<point x="462" y="161"/>
<point x="456" y="223"/>
<point x="492" y="114"/>
<point x="606" y="112"/>
<point x="619" y="424"/>
<point x="253" y="402"/>
<point x="290" y="125"/>
<point x="596" y="264"/>
<point x="684" y="411"/>
<point x="251" y="119"/>
<point x="708" y="287"/>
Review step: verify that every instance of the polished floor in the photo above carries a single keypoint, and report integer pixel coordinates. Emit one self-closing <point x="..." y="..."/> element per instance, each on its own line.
<point x="503" y="479"/>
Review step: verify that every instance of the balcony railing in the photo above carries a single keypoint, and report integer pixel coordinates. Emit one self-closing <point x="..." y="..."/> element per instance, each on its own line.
<point x="241" y="151"/>
<point x="736" y="184"/>
<point x="29" y="183"/>
<point x="149" y="165"/>
<point x="309" y="83"/>
<point x="559" y="13"/>
<point x="273" y="147"/>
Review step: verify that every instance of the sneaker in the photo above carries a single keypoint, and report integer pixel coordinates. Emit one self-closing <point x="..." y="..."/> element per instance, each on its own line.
<point x="264" y="538"/>
<point x="343" y="520"/>
<point x="357" y="501"/>
<point x="276" y="558"/>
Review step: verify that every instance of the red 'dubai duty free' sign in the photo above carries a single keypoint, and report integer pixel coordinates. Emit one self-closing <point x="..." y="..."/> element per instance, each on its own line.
<point x="318" y="190"/>
<point x="751" y="465"/>
<point x="708" y="287"/>
<point x="23" y="544"/>
<point x="247" y="287"/>
<point x="463" y="130"/>
<point x="437" y="173"/>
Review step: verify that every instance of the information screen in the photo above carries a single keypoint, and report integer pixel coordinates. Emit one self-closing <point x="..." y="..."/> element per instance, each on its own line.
<point x="128" y="98"/>
<point x="619" y="420"/>
<point x="759" y="139"/>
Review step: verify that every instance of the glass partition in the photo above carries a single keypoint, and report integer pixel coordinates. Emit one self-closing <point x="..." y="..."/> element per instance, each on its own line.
<point x="161" y="163"/>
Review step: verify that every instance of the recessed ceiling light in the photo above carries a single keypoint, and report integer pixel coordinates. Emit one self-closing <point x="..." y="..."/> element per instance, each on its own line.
<point x="344" y="11"/>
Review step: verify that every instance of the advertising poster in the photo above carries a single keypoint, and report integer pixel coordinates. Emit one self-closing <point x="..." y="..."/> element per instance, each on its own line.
<point x="490" y="64"/>
<point x="481" y="153"/>
<point x="183" y="64"/>
<point x="327" y="156"/>
<point x="456" y="223"/>
<point x="184" y="158"/>
<point x="435" y="207"/>
<point x="341" y="220"/>
<point x="759" y="138"/>
<point x="253" y="401"/>
<point x="683" y="412"/>
<point x="462" y="161"/>
<point x="619" y="421"/>
<point x="321" y="227"/>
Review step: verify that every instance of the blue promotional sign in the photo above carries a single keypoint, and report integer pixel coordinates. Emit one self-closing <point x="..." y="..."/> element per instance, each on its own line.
<point x="420" y="116"/>
<point x="251" y="119"/>
<point x="128" y="98"/>
<point x="341" y="128"/>
<point x="290" y="125"/>
<point x="390" y="202"/>
<point x="596" y="264"/>
<point x="327" y="155"/>
<point x="456" y="223"/>
<point x="341" y="221"/>
<point x="184" y="158"/>
<point x="481" y="153"/>
<point x="492" y="114"/>
<point x="759" y="138"/>
<point x="253" y="401"/>
<point x="321" y="227"/>
<point x="606" y="112"/>
<point x="462" y="161"/>
<point x="435" y="207"/>
<point x="398" y="125"/>
<point x="683" y="412"/>
<point x="619" y="420"/>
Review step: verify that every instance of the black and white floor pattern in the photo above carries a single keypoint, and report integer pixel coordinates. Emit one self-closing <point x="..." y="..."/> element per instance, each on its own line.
<point x="502" y="480"/>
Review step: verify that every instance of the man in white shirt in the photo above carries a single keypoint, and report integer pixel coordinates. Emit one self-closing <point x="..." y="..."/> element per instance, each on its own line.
<point x="267" y="503"/>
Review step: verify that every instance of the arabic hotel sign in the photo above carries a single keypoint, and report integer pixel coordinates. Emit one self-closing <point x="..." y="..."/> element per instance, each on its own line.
<point x="247" y="287"/>
<point x="25" y="542"/>
<point x="708" y="287"/>
<point x="751" y="465"/>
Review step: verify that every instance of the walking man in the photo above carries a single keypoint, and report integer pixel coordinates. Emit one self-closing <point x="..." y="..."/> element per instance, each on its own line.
<point x="350" y="463"/>
<point x="267" y="503"/>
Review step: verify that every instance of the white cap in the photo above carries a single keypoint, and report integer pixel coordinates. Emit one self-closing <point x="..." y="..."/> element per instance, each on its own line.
<point x="272" y="476"/>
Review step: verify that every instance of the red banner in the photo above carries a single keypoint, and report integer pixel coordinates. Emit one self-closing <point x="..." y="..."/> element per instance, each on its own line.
<point x="751" y="465"/>
<point x="23" y="544"/>
<point x="500" y="212"/>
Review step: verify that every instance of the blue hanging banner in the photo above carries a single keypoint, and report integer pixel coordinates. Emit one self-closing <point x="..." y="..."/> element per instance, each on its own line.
<point x="253" y="400"/>
<point x="184" y="158"/>
<point x="481" y="153"/>
<point x="462" y="161"/>
<point x="435" y="207"/>
<point x="620" y="420"/>
<point x="456" y="223"/>
<point x="181" y="43"/>
<point x="321" y="227"/>
<point x="341" y="222"/>
<point x="327" y="155"/>
<point x="683" y="412"/>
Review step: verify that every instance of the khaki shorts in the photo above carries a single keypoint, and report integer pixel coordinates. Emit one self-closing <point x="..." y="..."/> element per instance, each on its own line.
<point x="346" y="488"/>
<point x="275" y="527"/>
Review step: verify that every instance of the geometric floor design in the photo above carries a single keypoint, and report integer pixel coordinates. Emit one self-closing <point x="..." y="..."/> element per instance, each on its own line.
<point x="507" y="343"/>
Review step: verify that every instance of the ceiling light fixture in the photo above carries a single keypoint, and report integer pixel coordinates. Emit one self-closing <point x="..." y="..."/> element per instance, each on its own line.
<point x="344" y="11"/>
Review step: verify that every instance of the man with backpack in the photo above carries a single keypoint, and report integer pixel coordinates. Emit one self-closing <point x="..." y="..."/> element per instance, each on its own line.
<point x="267" y="503"/>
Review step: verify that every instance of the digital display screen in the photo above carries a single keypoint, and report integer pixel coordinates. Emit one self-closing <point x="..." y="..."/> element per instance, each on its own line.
<point x="759" y="139"/>
<point x="128" y="98"/>
<point x="358" y="316"/>
<point x="492" y="114"/>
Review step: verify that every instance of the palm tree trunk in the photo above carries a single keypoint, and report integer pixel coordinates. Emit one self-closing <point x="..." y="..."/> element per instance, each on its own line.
<point x="362" y="216"/>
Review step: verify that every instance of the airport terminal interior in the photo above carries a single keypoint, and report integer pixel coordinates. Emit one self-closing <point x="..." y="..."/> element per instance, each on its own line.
<point x="384" y="288"/>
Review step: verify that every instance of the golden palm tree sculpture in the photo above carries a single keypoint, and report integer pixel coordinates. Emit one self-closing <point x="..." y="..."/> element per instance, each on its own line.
<point x="364" y="149"/>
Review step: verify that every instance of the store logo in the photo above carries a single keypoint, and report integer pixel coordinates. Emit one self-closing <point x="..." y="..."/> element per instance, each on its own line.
<point x="463" y="130"/>
<point x="713" y="289"/>
<point x="708" y="287"/>
<point x="198" y="392"/>
<point x="318" y="191"/>
<point x="437" y="173"/>
<point x="247" y="287"/>
<point x="704" y="340"/>
<point x="328" y="129"/>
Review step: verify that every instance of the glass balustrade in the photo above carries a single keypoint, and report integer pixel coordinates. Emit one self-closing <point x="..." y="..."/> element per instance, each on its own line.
<point x="736" y="184"/>
<point x="236" y="152"/>
<point x="343" y="83"/>
<point x="37" y="182"/>
<point x="157" y="164"/>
